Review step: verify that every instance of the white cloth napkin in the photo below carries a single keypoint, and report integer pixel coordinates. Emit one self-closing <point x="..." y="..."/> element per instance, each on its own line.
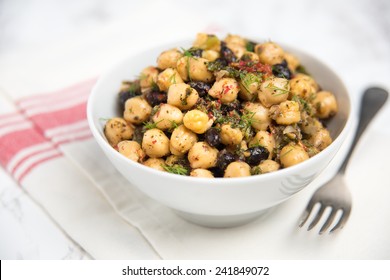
<point x="109" y="218"/>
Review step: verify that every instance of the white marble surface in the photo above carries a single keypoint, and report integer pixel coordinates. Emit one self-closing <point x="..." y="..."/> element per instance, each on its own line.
<point x="352" y="36"/>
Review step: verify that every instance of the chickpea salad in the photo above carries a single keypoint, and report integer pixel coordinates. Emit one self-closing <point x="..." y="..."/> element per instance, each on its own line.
<point x="222" y="108"/>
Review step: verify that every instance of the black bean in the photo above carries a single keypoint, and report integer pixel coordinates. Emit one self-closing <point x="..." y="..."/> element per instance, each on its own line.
<point x="224" y="158"/>
<point x="255" y="155"/>
<point x="227" y="54"/>
<point x="132" y="89"/>
<point x="201" y="87"/>
<point x="217" y="172"/>
<point x="281" y="70"/>
<point x="156" y="98"/>
<point x="212" y="137"/>
<point x="138" y="134"/>
<point x="235" y="105"/>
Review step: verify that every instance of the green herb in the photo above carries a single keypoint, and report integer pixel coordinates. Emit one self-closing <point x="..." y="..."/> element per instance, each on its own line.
<point x="187" y="53"/>
<point x="302" y="69"/>
<point x="248" y="79"/>
<point x="173" y="124"/>
<point x="246" y="122"/>
<point x="250" y="46"/>
<point x="172" y="79"/>
<point x="286" y="153"/>
<point x="215" y="66"/>
<point x="151" y="124"/>
<point x="184" y="99"/>
<point x="175" y="169"/>
<point x="188" y="68"/>
<point x="275" y="88"/>
<point x="255" y="170"/>
<point x="305" y="105"/>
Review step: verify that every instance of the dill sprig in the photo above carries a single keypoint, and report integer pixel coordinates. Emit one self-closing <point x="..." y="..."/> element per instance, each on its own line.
<point x="280" y="90"/>
<point x="151" y="124"/>
<point x="303" y="103"/>
<point x="248" y="79"/>
<point x="175" y="169"/>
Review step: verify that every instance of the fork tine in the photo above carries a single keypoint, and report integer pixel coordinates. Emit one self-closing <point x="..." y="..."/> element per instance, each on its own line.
<point x="329" y="221"/>
<point x="307" y="212"/>
<point x="317" y="217"/>
<point x="342" y="221"/>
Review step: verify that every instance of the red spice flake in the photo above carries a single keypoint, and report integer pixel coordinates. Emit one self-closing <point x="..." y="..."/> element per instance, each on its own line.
<point x="154" y="141"/>
<point x="116" y="148"/>
<point x="210" y="115"/>
<point x="226" y="89"/>
<point x="253" y="67"/>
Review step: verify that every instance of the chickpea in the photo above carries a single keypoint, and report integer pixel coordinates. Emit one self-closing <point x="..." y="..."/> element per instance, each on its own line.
<point x="148" y="77"/>
<point x="194" y="69"/>
<point x="321" y="139"/>
<point x="273" y="91"/>
<point x="155" y="143"/>
<point x="117" y="130"/>
<point x="249" y="85"/>
<point x="301" y="87"/>
<point x="268" y="166"/>
<point x="197" y="121"/>
<point x="207" y="42"/>
<point x="326" y="104"/>
<point x="137" y="110"/>
<point x="155" y="163"/>
<point x="292" y="154"/>
<point x="210" y="55"/>
<point x="309" y="79"/>
<point x="182" y="96"/>
<point x="264" y="139"/>
<point x="226" y="89"/>
<point x="168" y="59"/>
<point x="259" y="115"/>
<point x="309" y="124"/>
<point x="132" y="150"/>
<point x="292" y="61"/>
<point x="167" y="117"/>
<point x="237" y="169"/>
<point x="269" y="53"/>
<point x="237" y="49"/>
<point x="235" y="39"/>
<point x="167" y="78"/>
<point x="200" y="172"/>
<point x="230" y="135"/>
<point x="182" y="140"/>
<point x="201" y="155"/>
<point x="288" y="113"/>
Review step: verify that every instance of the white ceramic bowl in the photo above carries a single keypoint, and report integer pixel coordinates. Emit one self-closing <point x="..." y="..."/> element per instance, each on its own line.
<point x="219" y="202"/>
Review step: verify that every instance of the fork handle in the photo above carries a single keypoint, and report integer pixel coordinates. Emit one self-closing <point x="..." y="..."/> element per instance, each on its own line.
<point x="372" y="100"/>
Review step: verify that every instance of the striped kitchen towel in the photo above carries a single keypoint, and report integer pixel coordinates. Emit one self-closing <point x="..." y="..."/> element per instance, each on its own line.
<point x="31" y="134"/>
<point x="47" y="147"/>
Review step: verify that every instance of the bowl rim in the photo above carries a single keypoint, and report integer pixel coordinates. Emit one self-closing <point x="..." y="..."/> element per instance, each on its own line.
<point x="292" y="170"/>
